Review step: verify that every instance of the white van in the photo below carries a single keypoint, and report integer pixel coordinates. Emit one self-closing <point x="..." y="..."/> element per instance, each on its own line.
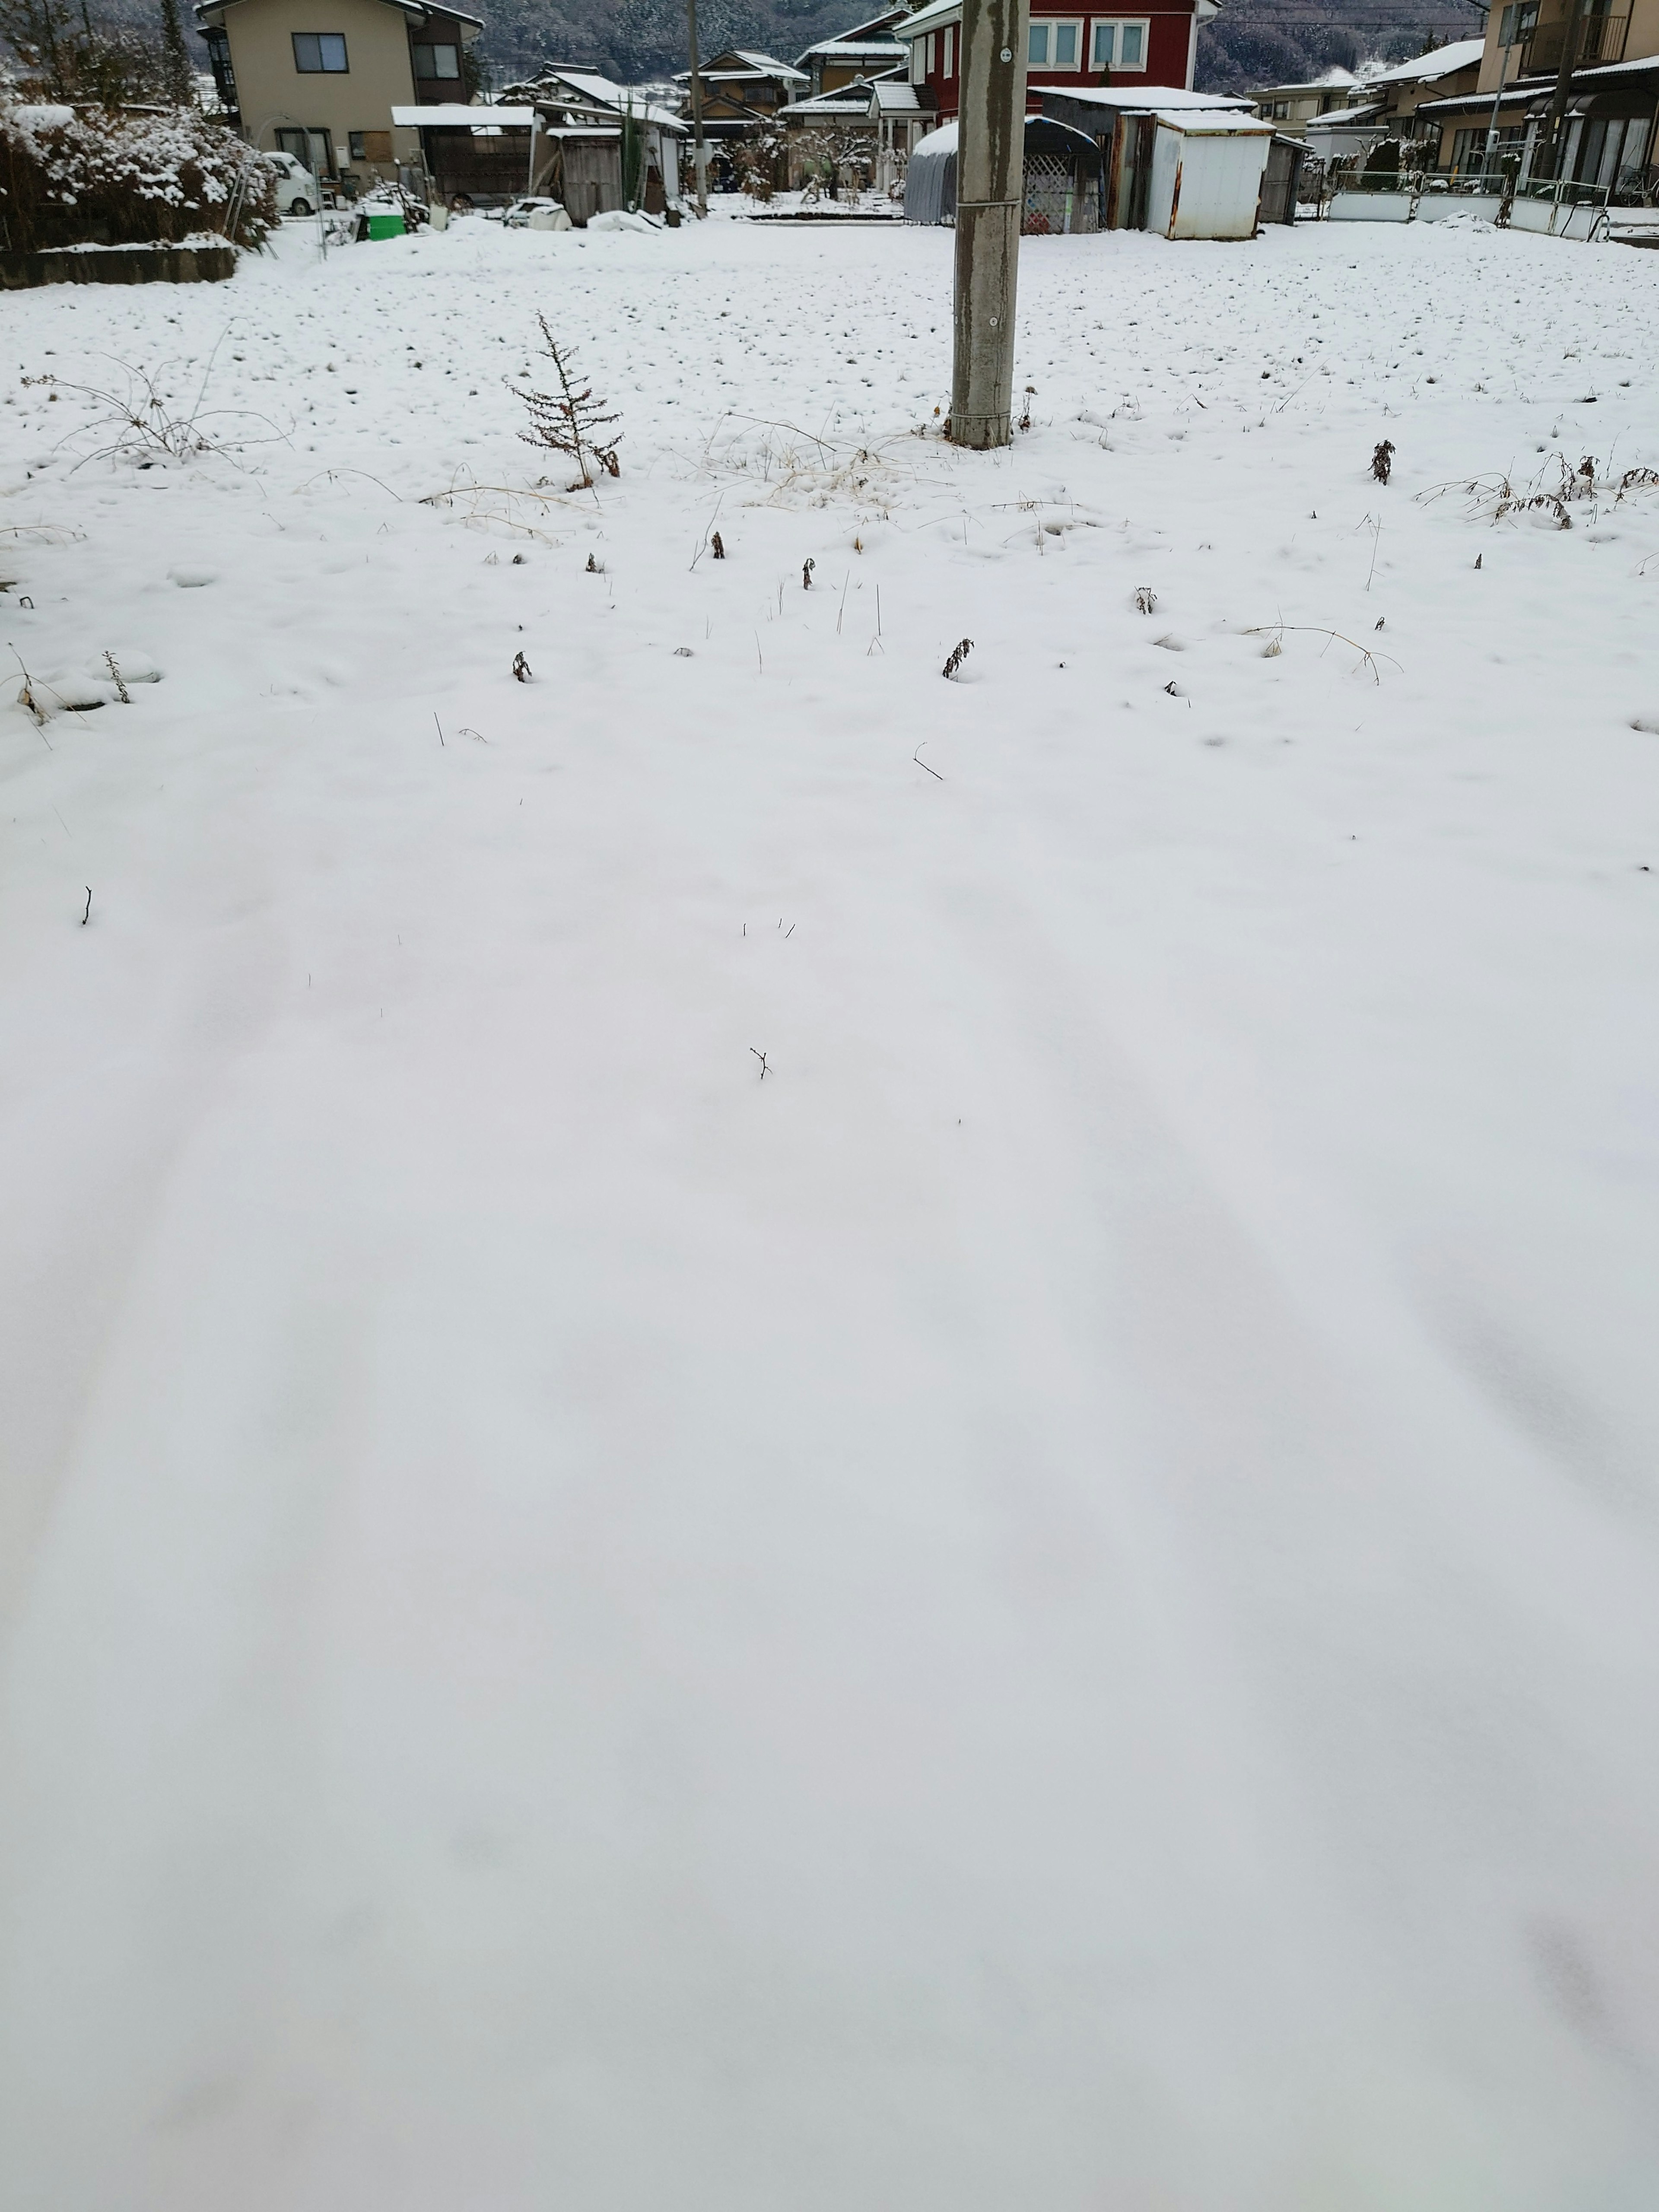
<point x="296" y="188"/>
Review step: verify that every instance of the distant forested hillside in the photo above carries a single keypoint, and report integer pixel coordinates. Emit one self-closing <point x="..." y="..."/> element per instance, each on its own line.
<point x="1256" y="42"/>
<point x="639" y="39"/>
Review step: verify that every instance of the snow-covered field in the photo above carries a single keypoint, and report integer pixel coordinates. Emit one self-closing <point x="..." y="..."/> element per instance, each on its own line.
<point x="1052" y="1601"/>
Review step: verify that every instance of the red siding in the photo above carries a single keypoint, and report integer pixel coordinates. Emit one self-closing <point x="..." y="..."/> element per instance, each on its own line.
<point x="1167" y="46"/>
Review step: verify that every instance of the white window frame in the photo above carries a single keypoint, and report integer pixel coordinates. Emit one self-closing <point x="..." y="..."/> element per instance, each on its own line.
<point x="1079" y="30"/>
<point x="947" y="38"/>
<point x="1044" y="28"/>
<point x="918" y="61"/>
<point x="1115" y="26"/>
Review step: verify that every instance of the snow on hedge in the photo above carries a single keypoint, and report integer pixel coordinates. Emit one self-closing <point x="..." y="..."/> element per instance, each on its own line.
<point x="66" y="172"/>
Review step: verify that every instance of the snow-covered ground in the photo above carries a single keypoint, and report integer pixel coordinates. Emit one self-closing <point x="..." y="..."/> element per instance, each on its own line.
<point x="1053" y="1602"/>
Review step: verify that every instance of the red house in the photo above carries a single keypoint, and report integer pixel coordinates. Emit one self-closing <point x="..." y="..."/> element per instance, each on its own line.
<point x="1071" y="50"/>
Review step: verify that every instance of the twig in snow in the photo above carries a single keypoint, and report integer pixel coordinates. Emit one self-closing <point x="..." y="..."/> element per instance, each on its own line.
<point x="959" y="654"/>
<point x="1367" y="659"/>
<point x="520" y="669"/>
<point x="332" y="473"/>
<point x="717" y="546"/>
<point x="765" y="1067"/>
<point x="1382" y="461"/>
<point x="438" y="725"/>
<point x="1145" y="598"/>
<point x="121" y="691"/>
<point x="26" y="698"/>
<point x="920" y="762"/>
<point x="87" y="916"/>
<point x="806" y="569"/>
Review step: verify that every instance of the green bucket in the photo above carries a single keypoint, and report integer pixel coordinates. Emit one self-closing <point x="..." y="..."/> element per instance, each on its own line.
<point x="389" y="225"/>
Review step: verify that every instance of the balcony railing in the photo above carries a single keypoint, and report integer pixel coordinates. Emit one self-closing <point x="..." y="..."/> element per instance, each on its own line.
<point x="1594" y="38"/>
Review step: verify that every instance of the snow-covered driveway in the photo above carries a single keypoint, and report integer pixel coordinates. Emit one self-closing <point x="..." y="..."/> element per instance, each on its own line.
<point x="1048" y="1599"/>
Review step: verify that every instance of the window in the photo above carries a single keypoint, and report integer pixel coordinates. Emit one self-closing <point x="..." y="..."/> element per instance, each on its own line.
<point x="438" y="61"/>
<point x="224" y="78"/>
<point x="1517" y="24"/>
<point x="918" y="60"/>
<point x="1120" y="45"/>
<point x="950" y="36"/>
<point x="927" y="55"/>
<point x="310" y="148"/>
<point x="320" y="51"/>
<point x="1053" y="46"/>
<point x="1067" y="38"/>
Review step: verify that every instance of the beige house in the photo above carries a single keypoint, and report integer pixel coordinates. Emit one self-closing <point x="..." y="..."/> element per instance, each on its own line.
<point x="1293" y="106"/>
<point x="1610" y="125"/>
<point x="319" y="79"/>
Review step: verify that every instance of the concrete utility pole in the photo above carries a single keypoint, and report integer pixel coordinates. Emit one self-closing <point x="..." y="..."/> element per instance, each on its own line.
<point x="699" y="159"/>
<point x="990" y="194"/>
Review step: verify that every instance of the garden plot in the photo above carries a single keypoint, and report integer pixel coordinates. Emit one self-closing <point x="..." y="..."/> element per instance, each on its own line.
<point x="780" y="1431"/>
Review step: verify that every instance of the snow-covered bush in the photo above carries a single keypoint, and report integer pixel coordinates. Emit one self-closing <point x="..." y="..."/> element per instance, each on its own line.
<point x="68" y="175"/>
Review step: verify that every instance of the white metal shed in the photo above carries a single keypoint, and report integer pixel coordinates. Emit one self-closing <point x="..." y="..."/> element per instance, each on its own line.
<point x="1207" y="174"/>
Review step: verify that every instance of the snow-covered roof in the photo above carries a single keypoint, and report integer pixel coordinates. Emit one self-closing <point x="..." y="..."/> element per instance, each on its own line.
<point x="895" y="96"/>
<point x="605" y="89"/>
<point x="852" y="100"/>
<point x="1648" y="62"/>
<point x="416" y="8"/>
<point x="1430" y="68"/>
<point x="936" y="146"/>
<point x="1332" y="78"/>
<point x="768" y="62"/>
<point x="856" y="49"/>
<point x="1199" y="125"/>
<point x="1346" y="118"/>
<point x="455" y="115"/>
<point x="754" y="66"/>
<point x="604" y="92"/>
<point x="1142" y="99"/>
<point x="929" y="19"/>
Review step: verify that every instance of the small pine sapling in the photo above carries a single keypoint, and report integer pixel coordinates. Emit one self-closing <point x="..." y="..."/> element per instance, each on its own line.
<point x="571" y="420"/>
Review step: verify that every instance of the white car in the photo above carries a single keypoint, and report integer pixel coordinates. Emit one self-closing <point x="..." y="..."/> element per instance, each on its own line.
<point x="296" y="188"/>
